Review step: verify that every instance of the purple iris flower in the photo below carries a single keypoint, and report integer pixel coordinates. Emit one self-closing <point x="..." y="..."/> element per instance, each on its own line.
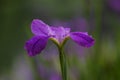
<point x="59" y="35"/>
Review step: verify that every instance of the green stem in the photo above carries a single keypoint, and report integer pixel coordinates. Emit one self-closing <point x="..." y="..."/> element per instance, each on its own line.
<point x="63" y="63"/>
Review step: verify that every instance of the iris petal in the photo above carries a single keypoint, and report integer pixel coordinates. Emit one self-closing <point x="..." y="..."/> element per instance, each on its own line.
<point x="38" y="27"/>
<point x="35" y="45"/>
<point x="82" y="38"/>
<point x="60" y="33"/>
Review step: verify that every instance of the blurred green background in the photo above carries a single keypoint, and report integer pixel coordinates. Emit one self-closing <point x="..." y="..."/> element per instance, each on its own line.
<point x="101" y="18"/>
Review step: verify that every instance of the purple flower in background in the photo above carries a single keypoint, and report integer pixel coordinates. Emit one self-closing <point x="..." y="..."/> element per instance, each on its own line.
<point x="114" y="4"/>
<point x="43" y="32"/>
<point x="55" y="76"/>
<point x="79" y="24"/>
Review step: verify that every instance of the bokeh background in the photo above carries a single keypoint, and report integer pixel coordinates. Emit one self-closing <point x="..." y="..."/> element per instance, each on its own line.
<point x="100" y="18"/>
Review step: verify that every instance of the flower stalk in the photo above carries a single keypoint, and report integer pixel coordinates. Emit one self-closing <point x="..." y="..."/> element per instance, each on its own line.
<point x="63" y="63"/>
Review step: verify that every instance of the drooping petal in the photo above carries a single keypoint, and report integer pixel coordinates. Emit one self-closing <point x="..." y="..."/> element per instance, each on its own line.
<point x="38" y="27"/>
<point x="82" y="38"/>
<point x="35" y="45"/>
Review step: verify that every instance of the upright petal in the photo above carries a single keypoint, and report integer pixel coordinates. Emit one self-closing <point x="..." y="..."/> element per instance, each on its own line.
<point x="82" y="38"/>
<point x="60" y="33"/>
<point x="35" y="45"/>
<point x="38" y="27"/>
